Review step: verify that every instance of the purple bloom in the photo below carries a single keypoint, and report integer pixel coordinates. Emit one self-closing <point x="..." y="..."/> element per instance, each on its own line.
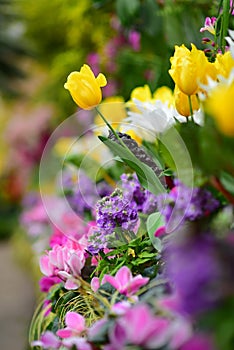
<point x="116" y="211"/>
<point x="145" y="201"/>
<point x="189" y="204"/>
<point x="195" y="272"/>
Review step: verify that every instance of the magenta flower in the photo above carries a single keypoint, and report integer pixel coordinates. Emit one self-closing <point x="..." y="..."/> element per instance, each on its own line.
<point x="123" y="281"/>
<point x="48" y="341"/>
<point x="209" y="25"/>
<point x="75" y="325"/>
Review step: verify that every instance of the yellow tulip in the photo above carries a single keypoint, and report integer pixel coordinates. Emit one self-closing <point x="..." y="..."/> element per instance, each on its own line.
<point x="182" y="102"/>
<point x="114" y="108"/>
<point x="189" y="69"/>
<point x="85" y="88"/>
<point x="219" y="105"/>
<point x="142" y="93"/>
<point x="224" y="64"/>
<point x="165" y="95"/>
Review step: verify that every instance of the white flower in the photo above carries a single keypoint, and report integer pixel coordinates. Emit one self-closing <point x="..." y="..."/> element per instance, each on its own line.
<point x="152" y="119"/>
<point x="230" y="41"/>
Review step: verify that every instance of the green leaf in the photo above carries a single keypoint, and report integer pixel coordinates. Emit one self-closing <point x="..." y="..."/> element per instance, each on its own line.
<point x="127" y="9"/>
<point x="146" y="175"/>
<point x="228" y="181"/>
<point x="155" y="221"/>
<point x="89" y="165"/>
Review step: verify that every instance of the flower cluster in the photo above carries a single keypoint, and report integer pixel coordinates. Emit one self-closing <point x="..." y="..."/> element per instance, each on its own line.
<point x="121" y="277"/>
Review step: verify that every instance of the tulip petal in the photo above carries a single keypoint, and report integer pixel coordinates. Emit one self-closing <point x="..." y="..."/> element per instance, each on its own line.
<point x="101" y="80"/>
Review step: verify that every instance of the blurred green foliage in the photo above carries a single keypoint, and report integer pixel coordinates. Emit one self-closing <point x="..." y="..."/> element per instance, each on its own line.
<point x="12" y="48"/>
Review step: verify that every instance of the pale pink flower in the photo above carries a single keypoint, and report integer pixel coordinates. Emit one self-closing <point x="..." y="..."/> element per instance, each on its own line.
<point x="124" y="282"/>
<point x="75" y="325"/>
<point x="48" y="341"/>
<point x="79" y="343"/>
<point x="209" y="25"/>
<point x="65" y="262"/>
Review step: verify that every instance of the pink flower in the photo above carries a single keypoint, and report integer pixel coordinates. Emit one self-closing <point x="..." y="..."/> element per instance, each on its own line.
<point x="134" y="39"/>
<point x="160" y="231"/>
<point x="79" y="343"/>
<point x="95" y="284"/>
<point x="47" y="282"/>
<point x="75" y="325"/>
<point x="48" y="341"/>
<point x="65" y="262"/>
<point x="124" y="282"/>
<point x="209" y="25"/>
<point x="198" y="342"/>
<point x="139" y="327"/>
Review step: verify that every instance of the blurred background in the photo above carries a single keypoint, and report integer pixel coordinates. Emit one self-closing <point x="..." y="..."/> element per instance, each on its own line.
<point x="41" y="42"/>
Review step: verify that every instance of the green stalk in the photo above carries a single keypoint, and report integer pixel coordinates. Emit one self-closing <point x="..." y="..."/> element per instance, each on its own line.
<point x="225" y="23"/>
<point x="111" y="128"/>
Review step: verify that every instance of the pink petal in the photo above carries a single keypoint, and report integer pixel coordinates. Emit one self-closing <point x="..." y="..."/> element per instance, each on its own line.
<point x="45" y="265"/>
<point x="136" y="284"/>
<point x="95" y="284"/>
<point x="181" y="331"/>
<point x="70" y="285"/>
<point x="112" y="281"/>
<point x="75" y="321"/>
<point x="76" y="265"/>
<point x="123" y="275"/>
<point x="80" y="343"/>
<point x="64" y="333"/>
<point x="49" y="340"/>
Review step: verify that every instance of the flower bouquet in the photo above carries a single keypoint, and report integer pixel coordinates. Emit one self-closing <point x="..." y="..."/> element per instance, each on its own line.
<point x="140" y="232"/>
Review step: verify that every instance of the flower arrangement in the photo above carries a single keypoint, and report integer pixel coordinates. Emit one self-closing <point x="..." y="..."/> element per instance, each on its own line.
<point x="140" y="252"/>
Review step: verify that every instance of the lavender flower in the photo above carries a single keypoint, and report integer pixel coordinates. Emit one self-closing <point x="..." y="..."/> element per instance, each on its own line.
<point x="145" y="201"/>
<point x="114" y="214"/>
<point x="116" y="211"/>
<point x="194" y="271"/>
<point x="201" y="202"/>
<point x="83" y="195"/>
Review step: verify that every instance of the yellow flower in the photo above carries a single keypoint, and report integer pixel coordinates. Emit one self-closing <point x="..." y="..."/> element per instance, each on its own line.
<point x="182" y="102"/>
<point x="84" y="88"/>
<point x="165" y="95"/>
<point x="114" y="109"/>
<point x="142" y="93"/>
<point x="219" y="105"/>
<point x="224" y="64"/>
<point x="190" y="68"/>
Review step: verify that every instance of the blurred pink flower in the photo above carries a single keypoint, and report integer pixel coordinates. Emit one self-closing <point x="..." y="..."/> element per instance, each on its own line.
<point x="140" y="327"/>
<point x="134" y="39"/>
<point x="75" y="325"/>
<point x="48" y="340"/>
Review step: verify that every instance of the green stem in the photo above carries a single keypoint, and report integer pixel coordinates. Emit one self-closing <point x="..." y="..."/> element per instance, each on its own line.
<point x="190" y="107"/>
<point x="110" y="127"/>
<point x="225" y="23"/>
